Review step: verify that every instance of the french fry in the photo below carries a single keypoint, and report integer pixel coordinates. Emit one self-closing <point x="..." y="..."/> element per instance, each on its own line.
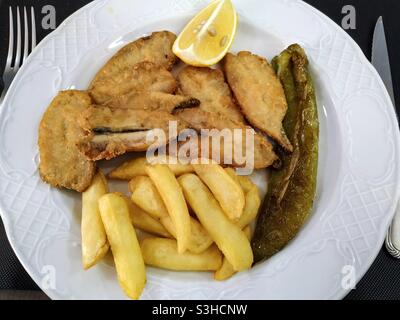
<point x="136" y="167"/>
<point x="252" y="198"/>
<point x="163" y="253"/>
<point x="125" y="247"/>
<point x="94" y="239"/>
<point x="226" y="271"/>
<point x="250" y="211"/>
<point x="172" y="196"/>
<point x="228" y="193"/>
<point x="146" y="196"/>
<point x="146" y="222"/>
<point x="247" y="232"/>
<point x="177" y="167"/>
<point x="130" y="169"/>
<point x="244" y="181"/>
<point x="229" y="238"/>
<point x="232" y="174"/>
<point x="199" y="238"/>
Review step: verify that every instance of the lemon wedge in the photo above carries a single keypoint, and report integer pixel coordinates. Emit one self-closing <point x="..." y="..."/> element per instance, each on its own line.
<point x="208" y="36"/>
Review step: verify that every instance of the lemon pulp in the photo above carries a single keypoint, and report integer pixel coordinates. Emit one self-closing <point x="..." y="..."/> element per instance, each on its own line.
<point x="208" y="36"/>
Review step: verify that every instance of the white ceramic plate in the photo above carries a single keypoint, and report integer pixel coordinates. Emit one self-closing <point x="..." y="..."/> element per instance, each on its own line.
<point x="359" y="155"/>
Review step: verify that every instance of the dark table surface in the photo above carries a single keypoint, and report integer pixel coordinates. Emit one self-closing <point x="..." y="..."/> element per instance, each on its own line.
<point x="382" y="281"/>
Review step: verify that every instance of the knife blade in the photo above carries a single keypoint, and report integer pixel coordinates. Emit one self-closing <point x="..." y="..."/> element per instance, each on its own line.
<point x="380" y="60"/>
<point x="380" y="57"/>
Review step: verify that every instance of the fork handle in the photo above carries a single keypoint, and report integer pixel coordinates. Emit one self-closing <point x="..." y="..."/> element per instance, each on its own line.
<point x="393" y="235"/>
<point x="6" y="86"/>
<point x="3" y="94"/>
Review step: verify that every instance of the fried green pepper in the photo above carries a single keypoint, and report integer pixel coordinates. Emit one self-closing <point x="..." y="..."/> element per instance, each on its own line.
<point x="291" y="190"/>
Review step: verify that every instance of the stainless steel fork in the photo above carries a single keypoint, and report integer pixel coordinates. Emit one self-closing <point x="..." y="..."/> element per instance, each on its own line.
<point x="15" y="61"/>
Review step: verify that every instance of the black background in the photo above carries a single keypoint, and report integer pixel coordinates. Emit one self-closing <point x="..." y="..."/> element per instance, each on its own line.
<point x="383" y="279"/>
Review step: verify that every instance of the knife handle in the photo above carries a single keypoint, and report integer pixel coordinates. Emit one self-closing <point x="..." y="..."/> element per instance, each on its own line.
<point x="393" y="236"/>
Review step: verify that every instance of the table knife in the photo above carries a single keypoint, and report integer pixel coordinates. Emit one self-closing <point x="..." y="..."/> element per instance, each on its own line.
<point x="381" y="62"/>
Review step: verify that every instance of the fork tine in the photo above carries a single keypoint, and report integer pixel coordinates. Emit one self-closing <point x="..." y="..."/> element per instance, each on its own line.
<point x="18" y="52"/>
<point x="33" y="21"/>
<point x="11" y="42"/>
<point x="26" y="36"/>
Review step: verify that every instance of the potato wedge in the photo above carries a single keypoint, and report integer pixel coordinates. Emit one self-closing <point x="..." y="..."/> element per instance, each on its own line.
<point x="252" y="198"/>
<point x="136" y="167"/>
<point x="200" y="240"/>
<point x="172" y="195"/>
<point x="145" y="222"/>
<point x="163" y="253"/>
<point x="125" y="247"/>
<point x="94" y="239"/>
<point x="226" y="271"/>
<point x="146" y="196"/>
<point x="228" y="193"/>
<point x="229" y="238"/>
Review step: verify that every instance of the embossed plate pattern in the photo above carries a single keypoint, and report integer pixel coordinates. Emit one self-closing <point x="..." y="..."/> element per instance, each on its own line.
<point x="358" y="173"/>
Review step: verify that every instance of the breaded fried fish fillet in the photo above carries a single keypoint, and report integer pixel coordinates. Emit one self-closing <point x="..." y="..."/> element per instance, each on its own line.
<point x="145" y="100"/>
<point x="259" y="94"/>
<point x="114" y="131"/>
<point x="143" y="76"/>
<point x="156" y="48"/>
<point x="61" y="163"/>
<point x="209" y="86"/>
<point x="264" y="155"/>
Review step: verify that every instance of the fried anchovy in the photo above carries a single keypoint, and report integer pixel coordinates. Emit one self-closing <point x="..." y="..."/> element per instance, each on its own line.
<point x="152" y="101"/>
<point x="188" y="104"/>
<point x="108" y="130"/>
<point x="61" y="163"/>
<point x="209" y="86"/>
<point x="156" y="48"/>
<point x="142" y="77"/>
<point x="113" y="132"/>
<point x="263" y="154"/>
<point x="291" y="190"/>
<point x="259" y="94"/>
